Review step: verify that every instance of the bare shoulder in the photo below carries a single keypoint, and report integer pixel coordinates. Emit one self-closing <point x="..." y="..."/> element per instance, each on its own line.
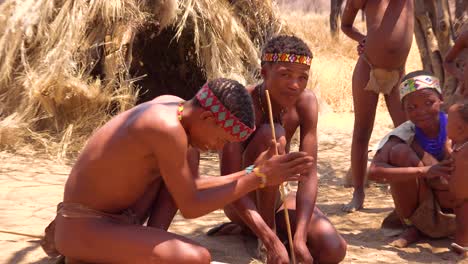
<point x="307" y="101"/>
<point x="157" y="124"/>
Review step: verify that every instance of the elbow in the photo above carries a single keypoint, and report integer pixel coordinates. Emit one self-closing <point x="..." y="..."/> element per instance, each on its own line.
<point x="188" y="212"/>
<point x="345" y="28"/>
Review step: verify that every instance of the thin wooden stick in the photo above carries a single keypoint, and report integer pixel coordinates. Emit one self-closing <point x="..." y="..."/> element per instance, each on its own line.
<point x="283" y="193"/>
<point x="20" y="234"/>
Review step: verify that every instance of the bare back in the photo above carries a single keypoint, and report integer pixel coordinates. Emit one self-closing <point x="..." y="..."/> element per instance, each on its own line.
<point x="116" y="166"/>
<point x="390" y="26"/>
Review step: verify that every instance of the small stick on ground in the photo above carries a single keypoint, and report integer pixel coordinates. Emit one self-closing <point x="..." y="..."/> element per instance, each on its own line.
<point x="20" y="234"/>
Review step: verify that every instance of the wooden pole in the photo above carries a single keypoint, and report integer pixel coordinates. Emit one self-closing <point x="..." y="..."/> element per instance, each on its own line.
<point x="20" y="234"/>
<point x="286" y="214"/>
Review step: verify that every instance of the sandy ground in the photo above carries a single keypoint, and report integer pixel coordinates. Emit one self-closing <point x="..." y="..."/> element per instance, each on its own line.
<point x="31" y="186"/>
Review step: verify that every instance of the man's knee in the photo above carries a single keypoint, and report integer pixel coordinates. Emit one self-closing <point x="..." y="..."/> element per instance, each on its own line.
<point x="402" y="155"/>
<point x="191" y="254"/>
<point x="333" y="250"/>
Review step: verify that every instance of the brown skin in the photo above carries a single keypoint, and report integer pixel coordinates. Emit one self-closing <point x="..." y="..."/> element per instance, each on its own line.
<point x="140" y="160"/>
<point x="457" y="130"/>
<point x="408" y="169"/>
<point x="386" y="45"/>
<point x="315" y="238"/>
<point x="461" y="73"/>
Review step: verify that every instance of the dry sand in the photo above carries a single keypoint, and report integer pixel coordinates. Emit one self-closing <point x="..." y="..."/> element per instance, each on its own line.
<point x="31" y="186"/>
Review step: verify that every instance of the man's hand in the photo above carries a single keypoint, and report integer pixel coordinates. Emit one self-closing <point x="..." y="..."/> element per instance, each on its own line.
<point x="277" y="253"/>
<point x="279" y="169"/>
<point x="361" y="46"/>
<point x="302" y="252"/>
<point x="441" y="169"/>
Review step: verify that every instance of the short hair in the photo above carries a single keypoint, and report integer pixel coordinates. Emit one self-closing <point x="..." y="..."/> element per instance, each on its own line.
<point x="286" y="44"/>
<point x="463" y="110"/>
<point x="235" y="98"/>
<point x="416" y="73"/>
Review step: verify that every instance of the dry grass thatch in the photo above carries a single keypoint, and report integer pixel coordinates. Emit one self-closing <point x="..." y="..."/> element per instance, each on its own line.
<point x="66" y="66"/>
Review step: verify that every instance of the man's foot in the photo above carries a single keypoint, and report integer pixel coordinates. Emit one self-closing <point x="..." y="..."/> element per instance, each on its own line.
<point x="356" y="203"/>
<point x="410" y="236"/>
<point x="462" y="251"/>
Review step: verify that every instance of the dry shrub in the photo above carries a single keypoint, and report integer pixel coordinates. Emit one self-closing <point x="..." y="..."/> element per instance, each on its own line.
<point x="47" y="89"/>
<point x="65" y="65"/>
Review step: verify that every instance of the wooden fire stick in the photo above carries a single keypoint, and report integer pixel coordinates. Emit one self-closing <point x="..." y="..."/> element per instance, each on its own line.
<point x="283" y="193"/>
<point x="20" y="234"/>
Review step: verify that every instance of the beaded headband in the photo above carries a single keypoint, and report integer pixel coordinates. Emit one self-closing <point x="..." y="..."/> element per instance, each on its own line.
<point x="418" y="83"/>
<point x="285" y="57"/>
<point x="229" y="122"/>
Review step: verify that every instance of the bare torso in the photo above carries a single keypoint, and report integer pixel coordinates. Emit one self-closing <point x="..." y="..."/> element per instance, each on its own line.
<point x="291" y="118"/>
<point x="116" y="167"/>
<point x="390" y="25"/>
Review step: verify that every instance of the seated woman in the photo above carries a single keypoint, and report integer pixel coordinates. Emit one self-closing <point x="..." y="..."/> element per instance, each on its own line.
<point x="415" y="160"/>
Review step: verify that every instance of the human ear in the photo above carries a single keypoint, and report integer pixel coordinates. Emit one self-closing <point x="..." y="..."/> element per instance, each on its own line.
<point x="206" y="114"/>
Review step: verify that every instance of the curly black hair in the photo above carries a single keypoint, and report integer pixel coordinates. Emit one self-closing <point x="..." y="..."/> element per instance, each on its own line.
<point x="286" y="44"/>
<point x="235" y="98"/>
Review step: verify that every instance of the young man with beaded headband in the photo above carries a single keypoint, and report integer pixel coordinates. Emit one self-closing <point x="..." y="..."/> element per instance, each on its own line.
<point x="414" y="159"/>
<point x="138" y="167"/>
<point x="285" y="70"/>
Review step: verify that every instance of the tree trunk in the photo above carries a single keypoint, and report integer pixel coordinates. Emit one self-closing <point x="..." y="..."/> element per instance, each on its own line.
<point x="461" y="9"/>
<point x="335" y="13"/>
<point x="433" y="32"/>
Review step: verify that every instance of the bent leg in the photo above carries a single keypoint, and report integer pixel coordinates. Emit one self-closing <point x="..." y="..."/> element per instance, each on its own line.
<point x="365" y="104"/>
<point x="100" y="241"/>
<point x="407" y="194"/>
<point x="266" y="198"/>
<point x="324" y="242"/>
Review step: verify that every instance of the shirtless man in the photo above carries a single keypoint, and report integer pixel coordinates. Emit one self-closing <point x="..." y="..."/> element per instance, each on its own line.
<point x="136" y="167"/>
<point x="414" y="159"/>
<point x="379" y="69"/>
<point x="461" y="72"/>
<point x="285" y="70"/>
<point x="457" y="129"/>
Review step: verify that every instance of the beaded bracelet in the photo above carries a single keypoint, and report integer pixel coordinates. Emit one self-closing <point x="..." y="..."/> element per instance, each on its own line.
<point x="259" y="174"/>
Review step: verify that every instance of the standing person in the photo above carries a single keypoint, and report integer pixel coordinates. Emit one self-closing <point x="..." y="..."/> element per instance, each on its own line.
<point x="285" y="71"/>
<point x="136" y="167"/>
<point x="381" y="65"/>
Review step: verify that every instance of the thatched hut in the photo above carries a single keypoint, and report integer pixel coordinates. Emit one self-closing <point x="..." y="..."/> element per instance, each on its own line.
<point x="67" y="66"/>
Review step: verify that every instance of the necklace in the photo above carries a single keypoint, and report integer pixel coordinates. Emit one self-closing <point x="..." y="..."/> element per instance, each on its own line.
<point x="180" y="110"/>
<point x="457" y="149"/>
<point x="434" y="146"/>
<point x="260" y="102"/>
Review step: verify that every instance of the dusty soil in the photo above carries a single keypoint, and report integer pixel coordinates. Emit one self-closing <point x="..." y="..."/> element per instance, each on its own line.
<point x="31" y="186"/>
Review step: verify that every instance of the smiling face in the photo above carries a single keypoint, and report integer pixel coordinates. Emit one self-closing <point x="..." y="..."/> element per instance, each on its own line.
<point x="285" y="81"/>
<point x="422" y="107"/>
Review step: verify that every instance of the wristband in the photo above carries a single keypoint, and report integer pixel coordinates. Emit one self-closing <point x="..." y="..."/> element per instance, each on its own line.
<point x="262" y="176"/>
